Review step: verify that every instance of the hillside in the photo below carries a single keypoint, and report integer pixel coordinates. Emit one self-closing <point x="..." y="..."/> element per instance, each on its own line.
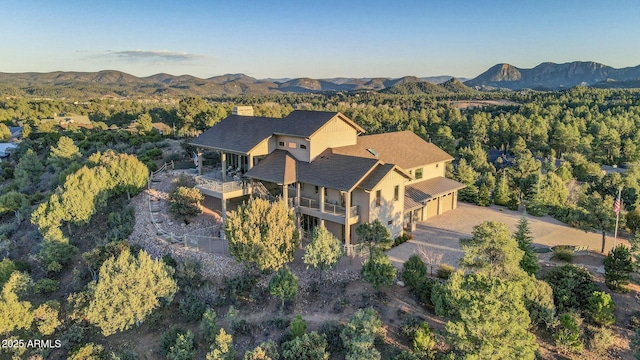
<point x="426" y="88"/>
<point x="551" y="76"/>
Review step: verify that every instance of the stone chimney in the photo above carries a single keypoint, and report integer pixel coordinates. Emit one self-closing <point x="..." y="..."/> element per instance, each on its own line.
<point x="243" y="110"/>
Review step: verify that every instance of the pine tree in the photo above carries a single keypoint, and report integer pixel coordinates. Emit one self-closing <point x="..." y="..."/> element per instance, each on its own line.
<point x="16" y="314"/>
<point x="492" y="251"/>
<point x="501" y="193"/>
<point x="128" y="290"/>
<point x="5" y="134"/>
<point x="64" y="153"/>
<point x="617" y="268"/>
<point x="144" y="123"/>
<point x="262" y="233"/>
<point x="529" y="262"/>
<point x="378" y="270"/>
<point x="222" y="349"/>
<point x="284" y="285"/>
<point x="28" y="170"/>
<point x="324" y="251"/>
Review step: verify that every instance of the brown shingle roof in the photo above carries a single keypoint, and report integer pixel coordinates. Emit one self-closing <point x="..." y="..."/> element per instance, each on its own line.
<point x="278" y="167"/>
<point x="237" y="133"/>
<point x="403" y="148"/>
<point x="243" y="133"/>
<point x="378" y="174"/>
<point x="416" y="194"/>
<point x="335" y="171"/>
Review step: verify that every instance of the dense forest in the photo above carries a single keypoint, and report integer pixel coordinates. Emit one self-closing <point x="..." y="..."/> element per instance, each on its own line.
<point x="65" y="217"/>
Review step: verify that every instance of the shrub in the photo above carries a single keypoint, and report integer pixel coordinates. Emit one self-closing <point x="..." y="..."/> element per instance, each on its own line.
<point x="284" y="285"/>
<point x="222" y="348"/>
<point x="183" y="348"/>
<point x="185" y="202"/>
<point x="46" y="317"/>
<point x="55" y="255"/>
<point x="601" y="308"/>
<point x="312" y="346"/>
<point x="409" y="327"/>
<point x="423" y="342"/>
<point x="89" y="351"/>
<point x="617" y="269"/>
<point x="359" y="334"/>
<point x="423" y="292"/>
<point x="191" y="308"/>
<point x="563" y="253"/>
<point x="169" y="338"/>
<point x="378" y="270"/>
<point x="568" y="335"/>
<point x="209" y="325"/>
<point x="268" y="350"/>
<point x="298" y="326"/>
<point x="46" y="286"/>
<point x="331" y="331"/>
<point x="444" y="271"/>
<point x="601" y="339"/>
<point x="7" y="267"/>
<point x="572" y="287"/>
<point x="414" y="272"/>
<point x="634" y="320"/>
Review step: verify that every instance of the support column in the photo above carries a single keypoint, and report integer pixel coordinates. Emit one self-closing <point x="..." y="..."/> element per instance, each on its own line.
<point x="250" y="162"/>
<point x="199" y="154"/>
<point x="285" y="194"/>
<point x="455" y="199"/>
<point x="298" y="194"/>
<point x="223" y="201"/>
<point x="321" y="203"/>
<point x="440" y="205"/>
<point x="347" y="226"/>
<point x="223" y="159"/>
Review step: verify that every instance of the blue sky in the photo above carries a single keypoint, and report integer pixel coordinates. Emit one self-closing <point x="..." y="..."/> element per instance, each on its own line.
<point x="317" y="39"/>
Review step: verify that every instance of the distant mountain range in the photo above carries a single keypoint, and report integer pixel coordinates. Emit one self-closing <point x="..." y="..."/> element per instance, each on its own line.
<point x="551" y="76"/>
<point x="116" y="83"/>
<point x="546" y="76"/>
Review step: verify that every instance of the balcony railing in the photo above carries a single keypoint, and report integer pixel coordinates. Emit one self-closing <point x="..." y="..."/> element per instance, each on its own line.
<point x="219" y="186"/>
<point x="329" y="207"/>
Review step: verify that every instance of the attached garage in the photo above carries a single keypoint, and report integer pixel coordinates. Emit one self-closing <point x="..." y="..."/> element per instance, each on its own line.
<point x="433" y="197"/>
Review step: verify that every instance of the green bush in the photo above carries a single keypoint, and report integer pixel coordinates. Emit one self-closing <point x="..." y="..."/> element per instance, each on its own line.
<point x="185" y="202"/>
<point x="424" y="342"/>
<point x="267" y="350"/>
<point x="572" y="287"/>
<point x="191" y="307"/>
<point x="183" y="348"/>
<point x="331" y="331"/>
<point x="444" y="271"/>
<point x="311" y="346"/>
<point x="568" y="335"/>
<point x="601" y="339"/>
<point x="169" y="338"/>
<point x="618" y="266"/>
<point x="46" y="286"/>
<point x="601" y="308"/>
<point x="414" y="272"/>
<point x="209" y="325"/>
<point x="55" y="254"/>
<point x="563" y="253"/>
<point x="298" y="326"/>
<point x="409" y="327"/>
<point x="89" y="351"/>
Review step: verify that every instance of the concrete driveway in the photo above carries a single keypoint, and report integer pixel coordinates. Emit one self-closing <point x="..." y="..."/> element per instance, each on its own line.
<point x="441" y="235"/>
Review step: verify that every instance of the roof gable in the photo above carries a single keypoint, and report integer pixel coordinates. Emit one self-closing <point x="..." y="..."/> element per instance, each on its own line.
<point x="403" y="148"/>
<point x="379" y="173"/>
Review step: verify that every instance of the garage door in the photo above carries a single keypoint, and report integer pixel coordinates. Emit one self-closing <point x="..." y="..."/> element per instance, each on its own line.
<point x="447" y="202"/>
<point x="432" y="208"/>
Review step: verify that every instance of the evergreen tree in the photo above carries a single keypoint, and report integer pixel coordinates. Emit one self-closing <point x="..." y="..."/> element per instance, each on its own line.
<point x="15" y="202"/>
<point x="28" y="170"/>
<point x="324" y="251"/>
<point x="64" y="153"/>
<point x="16" y="314"/>
<point x="267" y="350"/>
<point x="284" y="285"/>
<point x="144" y="123"/>
<point x="128" y="290"/>
<point x="618" y="266"/>
<point x="359" y="334"/>
<point x="597" y="214"/>
<point x="222" y="349"/>
<point x="501" y="193"/>
<point x="311" y="346"/>
<point x="378" y="270"/>
<point x="492" y="251"/>
<point x="601" y="308"/>
<point x="488" y="318"/>
<point x="262" y="233"/>
<point x="5" y="134"/>
<point x="529" y="262"/>
<point x="375" y="235"/>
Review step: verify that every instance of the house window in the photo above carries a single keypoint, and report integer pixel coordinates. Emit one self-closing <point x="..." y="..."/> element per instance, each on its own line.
<point x="396" y="193"/>
<point x="292" y="145"/>
<point x="390" y="222"/>
<point x="316" y="189"/>
<point x="437" y="166"/>
<point x="303" y="146"/>
<point x="419" y="173"/>
<point x="378" y="197"/>
<point x="281" y="143"/>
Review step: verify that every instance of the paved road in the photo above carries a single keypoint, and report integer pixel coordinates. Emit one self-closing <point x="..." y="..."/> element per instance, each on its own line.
<point x="441" y="234"/>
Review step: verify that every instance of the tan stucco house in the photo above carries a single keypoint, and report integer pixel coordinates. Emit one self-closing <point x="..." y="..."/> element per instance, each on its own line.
<point x="322" y="165"/>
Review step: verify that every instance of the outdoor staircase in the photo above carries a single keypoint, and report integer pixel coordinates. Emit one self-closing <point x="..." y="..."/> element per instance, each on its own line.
<point x="261" y="191"/>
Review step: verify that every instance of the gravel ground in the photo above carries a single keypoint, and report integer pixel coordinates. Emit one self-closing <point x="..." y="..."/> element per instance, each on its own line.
<point x="214" y="265"/>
